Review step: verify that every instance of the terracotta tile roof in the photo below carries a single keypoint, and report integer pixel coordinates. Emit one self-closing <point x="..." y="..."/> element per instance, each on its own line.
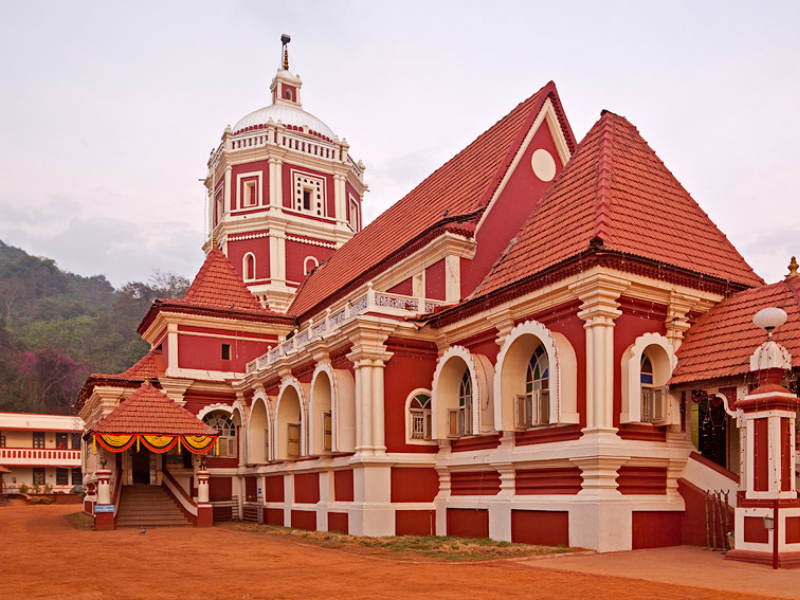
<point x="462" y="186"/>
<point x="149" y="410"/>
<point x="722" y="340"/>
<point x="615" y="189"/>
<point x="150" y="366"/>
<point x="217" y="284"/>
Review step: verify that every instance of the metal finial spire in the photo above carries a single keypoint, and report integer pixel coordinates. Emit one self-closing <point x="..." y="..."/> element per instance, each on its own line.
<point x="793" y="266"/>
<point x="285" y="39"/>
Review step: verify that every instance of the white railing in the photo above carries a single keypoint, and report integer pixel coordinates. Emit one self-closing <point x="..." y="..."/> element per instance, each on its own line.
<point x="372" y="301"/>
<point x="40" y="456"/>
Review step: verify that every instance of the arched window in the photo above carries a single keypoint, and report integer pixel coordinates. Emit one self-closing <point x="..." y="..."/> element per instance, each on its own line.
<point x="309" y="264"/>
<point x="249" y="267"/>
<point x="227" y="432"/>
<point x="652" y="396"/>
<point x="461" y="418"/>
<point x="533" y="407"/>
<point x="419" y="417"/>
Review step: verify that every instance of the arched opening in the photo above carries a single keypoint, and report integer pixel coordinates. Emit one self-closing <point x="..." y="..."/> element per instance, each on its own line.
<point x="536" y="379"/>
<point x="222" y="422"/>
<point x="418" y="417"/>
<point x="309" y="264"/>
<point x="321" y="418"/>
<point x="258" y="433"/>
<point x="646" y="368"/>
<point x="654" y="372"/>
<point x="453" y="396"/>
<point x="241" y="437"/>
<point x="249" y="266"/>
<point x="289" y="425"/>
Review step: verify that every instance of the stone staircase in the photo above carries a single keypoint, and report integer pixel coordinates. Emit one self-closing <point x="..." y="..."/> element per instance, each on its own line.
<point x="143" y="505"/>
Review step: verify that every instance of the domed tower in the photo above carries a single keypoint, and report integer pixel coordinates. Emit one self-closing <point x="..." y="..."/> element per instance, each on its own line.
<point x="283" y="192"/>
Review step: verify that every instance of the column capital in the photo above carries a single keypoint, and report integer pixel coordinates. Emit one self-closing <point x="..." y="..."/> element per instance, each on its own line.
<point x="598" y="292"/>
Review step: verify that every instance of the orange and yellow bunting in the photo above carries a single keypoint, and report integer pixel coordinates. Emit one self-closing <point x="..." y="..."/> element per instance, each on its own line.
<point x="159" y="443"/>
<point x="196" y="444"/>
<point x="115" y="443"/>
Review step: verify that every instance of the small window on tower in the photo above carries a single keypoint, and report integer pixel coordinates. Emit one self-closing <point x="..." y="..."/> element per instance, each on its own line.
<point x="226" y="351"/>
<point x="250" y="193"/>
<point x="306" y="199"/>
<point x="288" y="94"/>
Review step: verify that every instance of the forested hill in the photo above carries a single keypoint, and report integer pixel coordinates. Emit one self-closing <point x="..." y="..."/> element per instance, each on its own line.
<point x="57" y="327"/>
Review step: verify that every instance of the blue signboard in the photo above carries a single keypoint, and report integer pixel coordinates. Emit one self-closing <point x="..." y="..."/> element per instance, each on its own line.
<point x="104" y="508"/>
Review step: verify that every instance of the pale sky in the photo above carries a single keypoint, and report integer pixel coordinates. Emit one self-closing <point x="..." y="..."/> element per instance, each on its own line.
<point x="109" y="109"/>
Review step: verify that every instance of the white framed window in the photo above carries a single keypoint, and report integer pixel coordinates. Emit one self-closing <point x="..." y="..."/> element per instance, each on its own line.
<point x="460" y="419"/>
<point x="309" y="264"/>
<point x="309" y="193"/>
<point x="250" y="194"/>
<point x="227" y="433"/>
<point x="354" y="218"/>
<point x="653" y="397"/>
<point x="418" y="417"/>
<point x="249" y="266"/>
<point x="533" y="407"/>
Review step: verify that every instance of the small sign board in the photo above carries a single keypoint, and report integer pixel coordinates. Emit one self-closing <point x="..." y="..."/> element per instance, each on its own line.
<point x="104" y="508"/>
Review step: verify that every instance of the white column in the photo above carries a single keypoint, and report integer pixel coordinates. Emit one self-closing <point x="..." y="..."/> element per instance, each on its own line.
<point x="202" y="487"/>
<point x="378" y="420"/>
<point x="274" y="175"/>
<point x="226" y="192"/>
<point x="340" y="198"/>
<point x="103" y="486"/>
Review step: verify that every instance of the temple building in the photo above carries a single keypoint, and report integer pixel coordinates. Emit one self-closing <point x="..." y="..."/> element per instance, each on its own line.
<point x="547" y="340"/>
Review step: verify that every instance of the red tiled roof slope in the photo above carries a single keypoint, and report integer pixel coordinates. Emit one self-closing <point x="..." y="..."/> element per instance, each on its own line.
<point x="615" y="188"/>
<point x="722" y="340"/>
<point x="217" y="284"/>
<point x="150" y="366"/>
<point x="149" y="410"/>
<point x="463" y="185"/>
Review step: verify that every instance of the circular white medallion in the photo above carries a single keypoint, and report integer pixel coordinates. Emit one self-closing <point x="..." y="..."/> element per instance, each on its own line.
<point x="544" y="166"/>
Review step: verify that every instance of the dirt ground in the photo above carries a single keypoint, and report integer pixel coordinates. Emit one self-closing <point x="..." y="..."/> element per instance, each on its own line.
<point x="42" y="556"/>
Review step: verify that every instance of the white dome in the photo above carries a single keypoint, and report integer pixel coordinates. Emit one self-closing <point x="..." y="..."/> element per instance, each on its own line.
<point x="288" y="115"/>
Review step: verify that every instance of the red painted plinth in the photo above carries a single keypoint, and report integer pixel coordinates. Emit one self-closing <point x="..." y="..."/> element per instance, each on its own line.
<point x="104" y="521"/>
<point x="786" y="560"/>
<point x="205" y="515"/>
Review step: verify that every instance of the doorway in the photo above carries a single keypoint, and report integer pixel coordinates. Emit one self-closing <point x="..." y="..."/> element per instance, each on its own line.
<point x="141" y="466"/>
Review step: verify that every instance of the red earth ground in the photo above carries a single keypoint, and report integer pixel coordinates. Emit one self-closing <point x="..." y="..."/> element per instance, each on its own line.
<point x="42" y="556"/>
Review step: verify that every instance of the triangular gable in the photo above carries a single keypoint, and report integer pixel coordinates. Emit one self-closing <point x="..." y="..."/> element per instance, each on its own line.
<point x="148" y="410"/>
<point x="462" y="187"/>
<point x="616" y="193"/>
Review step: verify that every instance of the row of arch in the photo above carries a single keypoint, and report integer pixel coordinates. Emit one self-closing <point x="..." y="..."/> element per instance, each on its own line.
<point x="533" y="383"/>
<point x="249" y="266"/>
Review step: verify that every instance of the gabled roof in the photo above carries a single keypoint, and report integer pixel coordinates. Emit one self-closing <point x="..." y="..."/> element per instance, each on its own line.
<point x="217" y="284"/>
<point x="617" y="194"/>
<point x="458" y="191"/>
<point x="217" y="290"/>
<point x="150" y="411"/>
<point x="721" y="342"/>
<point x="151" y="366"/>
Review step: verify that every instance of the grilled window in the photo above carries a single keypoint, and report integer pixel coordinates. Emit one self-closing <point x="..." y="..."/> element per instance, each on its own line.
<point x="419" y="415"/>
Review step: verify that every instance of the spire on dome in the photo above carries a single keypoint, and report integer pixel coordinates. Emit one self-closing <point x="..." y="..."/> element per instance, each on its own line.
<point x="285" y="39"/>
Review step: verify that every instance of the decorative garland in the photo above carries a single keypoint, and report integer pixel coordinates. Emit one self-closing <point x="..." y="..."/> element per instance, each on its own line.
<point x="196" y="444"/>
